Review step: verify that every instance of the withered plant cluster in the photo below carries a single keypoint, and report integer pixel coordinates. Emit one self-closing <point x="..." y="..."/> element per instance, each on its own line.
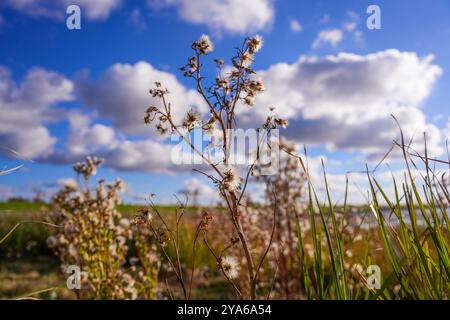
<point x="233" y="88"/>
<point x="292" y="246"/>
<point x="93" y="236"/>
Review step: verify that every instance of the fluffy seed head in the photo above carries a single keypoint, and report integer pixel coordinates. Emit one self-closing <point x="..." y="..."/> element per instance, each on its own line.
<point x="232" y="181"/>
<point x="230" y="266"/>
<point x="255" y="44"/>
<point x="203" y="45"/>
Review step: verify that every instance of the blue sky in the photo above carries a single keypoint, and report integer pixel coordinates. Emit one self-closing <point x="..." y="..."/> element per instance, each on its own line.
<point x="68" y="93"/>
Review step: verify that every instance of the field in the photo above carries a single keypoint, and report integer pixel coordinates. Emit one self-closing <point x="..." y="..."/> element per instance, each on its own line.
<point x="298" y="241"/>
<point x="30" y="269"/>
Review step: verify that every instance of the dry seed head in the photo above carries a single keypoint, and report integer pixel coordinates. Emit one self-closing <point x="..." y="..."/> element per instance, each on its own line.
<point x="230" y="266"/>
<point x="232" y="181"/>
<point x="255" y="44"/>
<point x="219" y="62"/>
<point x="203" y="45"/>
<point x="159" y="91"/>
<point x="250" y="100"/>
<point x="206" y="220"/>
<point x="191" y="120"/>
<point x="246" y="59"/>
<point x="281" y="122"/>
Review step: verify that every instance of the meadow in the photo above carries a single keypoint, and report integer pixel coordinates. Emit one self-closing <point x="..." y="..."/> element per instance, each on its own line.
<point x="30" y="269"/>
<point x="297" y="244"/>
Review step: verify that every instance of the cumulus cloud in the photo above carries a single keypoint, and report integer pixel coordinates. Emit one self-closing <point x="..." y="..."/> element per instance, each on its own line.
<point x="199" y="192"/>
<point x="330" y="36"/>
<point x="93" y="10"/>
<point x="346" y="101"/>
<point x="343" y="102"/>
<point x="141" y="155"/>
<point x="26" y="107"/>
<point x="83" y="136"/>
<point x="234" y="16"/>
<point x="121" y="94"/>
<point x="119" y="150"/>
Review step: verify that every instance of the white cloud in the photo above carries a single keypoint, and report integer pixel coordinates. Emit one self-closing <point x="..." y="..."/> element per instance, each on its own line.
<point x="121" y="94"/>
<point x="93" y="10"/>
<point x="141" y="155"/>
<point x="96" y="9"/>
<point x="234" y="16"/>
<point x="330" y="36"/>
<point x="83" y="135"/>
<point x="345" y="101"/>
<point x="25" y="107"/>
<point x="295" y="25"/>
<point x="199" y="192"/>
<point x="119" y="151"/>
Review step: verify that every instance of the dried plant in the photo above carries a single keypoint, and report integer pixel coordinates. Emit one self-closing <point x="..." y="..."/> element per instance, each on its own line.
<point x="93" y="236"/>
<point x="232" y="89"/>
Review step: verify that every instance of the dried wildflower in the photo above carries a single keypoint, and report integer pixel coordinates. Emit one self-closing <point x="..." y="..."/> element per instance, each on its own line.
<point x="246" y="59"/>
<point x="190" y="67"/>
<point x="163" y="237"/>
<point x="203" y="45"/>
<point x="223" y="96"/>
<point x="232" y="181"/>
<point x="211" y="130"/>
<point x="257" y="85"/>
<point x="235" y="73"/>
<point x="120" y="185"/>
<point x="249" y="100"/>
<point x="125" y="223"/>
<point x="161" y="129"/>
<point x="206" y="220"/>
<point x="234" y="240"/>
<point x="281" y="122"/>
<point x="88" y="168"/>
<point x="230" y="266"/>
<point x="219" y="62"/>
<point x="255" y="44"/>
<point x="93" y="231"/>
<point x="159" y="91"/>
<point x="222" y="83"/>
<point x="143" y="217"/>
<point x="150" y="114"/>
<point x="191" y="120"/>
